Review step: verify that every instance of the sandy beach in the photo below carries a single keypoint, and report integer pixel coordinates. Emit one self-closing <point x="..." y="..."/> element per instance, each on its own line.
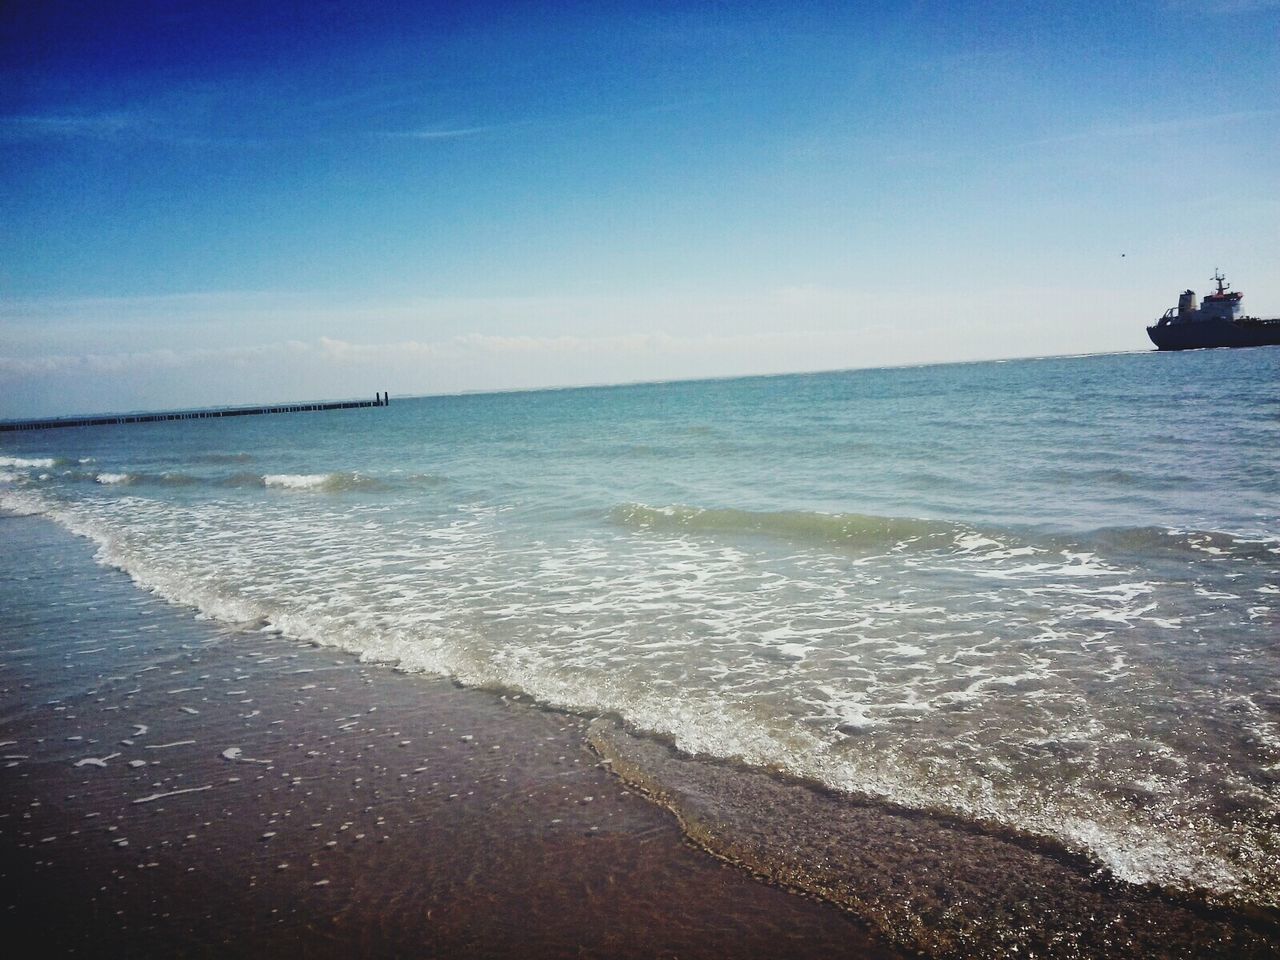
<point x="176" y="787"/>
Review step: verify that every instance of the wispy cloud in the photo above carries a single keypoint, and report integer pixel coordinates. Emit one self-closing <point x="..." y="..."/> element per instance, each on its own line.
<point x="446" y="133"/>
<point x="71" y="126"/>
<point x="142" y="361"/>
<point x="1152" y="128"/>
<point x="345" y="352"/>
<point x="455" y="131"/>
<point x="132" y="126"/>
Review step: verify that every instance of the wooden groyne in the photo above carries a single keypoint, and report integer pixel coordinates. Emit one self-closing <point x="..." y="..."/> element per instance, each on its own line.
<point x="379" y="400"/>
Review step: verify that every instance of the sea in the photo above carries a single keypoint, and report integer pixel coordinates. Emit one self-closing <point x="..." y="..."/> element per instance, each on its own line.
<point x="1039" y="597"/>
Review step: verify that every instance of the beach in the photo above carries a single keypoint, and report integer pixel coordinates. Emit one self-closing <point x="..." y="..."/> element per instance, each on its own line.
<point x="962" y="661"/>
<point x="176" y="787"/>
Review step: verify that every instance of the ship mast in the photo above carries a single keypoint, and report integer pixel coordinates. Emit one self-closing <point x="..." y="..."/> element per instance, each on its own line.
<point x="1220" y="278"/>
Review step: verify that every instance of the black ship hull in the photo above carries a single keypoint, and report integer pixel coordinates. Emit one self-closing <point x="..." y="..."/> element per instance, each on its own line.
<point x="1241" y="332"/>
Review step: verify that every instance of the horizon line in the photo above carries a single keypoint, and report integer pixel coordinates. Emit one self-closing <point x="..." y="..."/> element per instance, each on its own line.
<point x="556" y="388"/>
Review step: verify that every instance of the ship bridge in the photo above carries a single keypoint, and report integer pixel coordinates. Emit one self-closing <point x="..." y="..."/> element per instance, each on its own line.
<point x="1223" y="305"/>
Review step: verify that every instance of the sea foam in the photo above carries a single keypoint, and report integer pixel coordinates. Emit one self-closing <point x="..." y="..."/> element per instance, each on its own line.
<point x="321" y="482"/>
<point x="296" y="481"/>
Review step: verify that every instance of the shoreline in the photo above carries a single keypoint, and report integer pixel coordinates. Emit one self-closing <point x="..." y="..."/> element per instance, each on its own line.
<point x="200" y="788"/>
<point x="173" y="786"/>
<point x="928" y="885"/>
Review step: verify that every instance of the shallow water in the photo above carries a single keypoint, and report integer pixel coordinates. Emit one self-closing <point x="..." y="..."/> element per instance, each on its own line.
<point x="1038" y="596"/>
<point x="179" y="788"/>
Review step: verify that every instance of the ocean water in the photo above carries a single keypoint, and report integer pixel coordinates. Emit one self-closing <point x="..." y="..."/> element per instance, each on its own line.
<point x="1040" y="596"/>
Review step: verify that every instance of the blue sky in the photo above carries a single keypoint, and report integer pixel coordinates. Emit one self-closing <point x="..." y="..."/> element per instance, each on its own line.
<point x="227" y="202"/>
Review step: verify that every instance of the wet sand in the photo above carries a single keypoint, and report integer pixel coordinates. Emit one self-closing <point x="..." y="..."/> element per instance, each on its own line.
<point x="172" y="787"/>
<point x="942" y="888"/>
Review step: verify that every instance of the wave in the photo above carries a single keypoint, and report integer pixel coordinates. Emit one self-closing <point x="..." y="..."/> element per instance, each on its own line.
<point x="854" y="530"/>
<point x="333" y="482"/>
<point x="175" y="480"/>
<point x="22" y="463"/>
<point x="321" y="482"/>
<point x="168" y="479"/>
<point x="340" y="481"/>
<point x="422" y="480"/>
<point x="242" y="479"/>
<point x="223" y="458"/>
<point x="1156" y="542"/>
<point x="113" y="478"/>
<point x="869" y="532"/>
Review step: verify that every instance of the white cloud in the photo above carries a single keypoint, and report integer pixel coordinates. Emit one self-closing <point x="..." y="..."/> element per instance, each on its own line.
<point x="328" y="367"/>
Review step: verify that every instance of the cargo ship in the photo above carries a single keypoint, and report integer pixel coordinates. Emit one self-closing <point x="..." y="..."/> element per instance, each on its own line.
<point x="1214" y="323"/>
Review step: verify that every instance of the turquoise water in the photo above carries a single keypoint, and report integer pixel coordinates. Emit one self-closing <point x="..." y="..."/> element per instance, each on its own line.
<point x="1040" y="595"/>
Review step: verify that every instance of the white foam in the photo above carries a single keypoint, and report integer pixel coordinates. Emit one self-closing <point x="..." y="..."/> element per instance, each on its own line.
<point x="172" y="793"/>
<point x="112" y="478"/>
<point x="237" y="754"/>
<point x="975" y="541"/>
<point x="96" y="761"/>
<point x="296" y="481"/>
<point x="22" y="504"/>
<point x="26" y="462"/>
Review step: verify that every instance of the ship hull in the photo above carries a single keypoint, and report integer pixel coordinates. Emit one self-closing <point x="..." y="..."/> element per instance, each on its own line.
<point x="1215" y="333"/>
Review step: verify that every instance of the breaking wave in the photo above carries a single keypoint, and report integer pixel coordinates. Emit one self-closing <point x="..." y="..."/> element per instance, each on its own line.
<point x="852" y="530"/>
<point x="1155" y="541"/>
<point x="866" y="533"/>
<point x="331" y="482"/>
<point x="321" y="482"/>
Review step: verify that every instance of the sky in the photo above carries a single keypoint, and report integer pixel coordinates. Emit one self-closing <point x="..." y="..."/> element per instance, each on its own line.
<point x="243" y="202"/>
